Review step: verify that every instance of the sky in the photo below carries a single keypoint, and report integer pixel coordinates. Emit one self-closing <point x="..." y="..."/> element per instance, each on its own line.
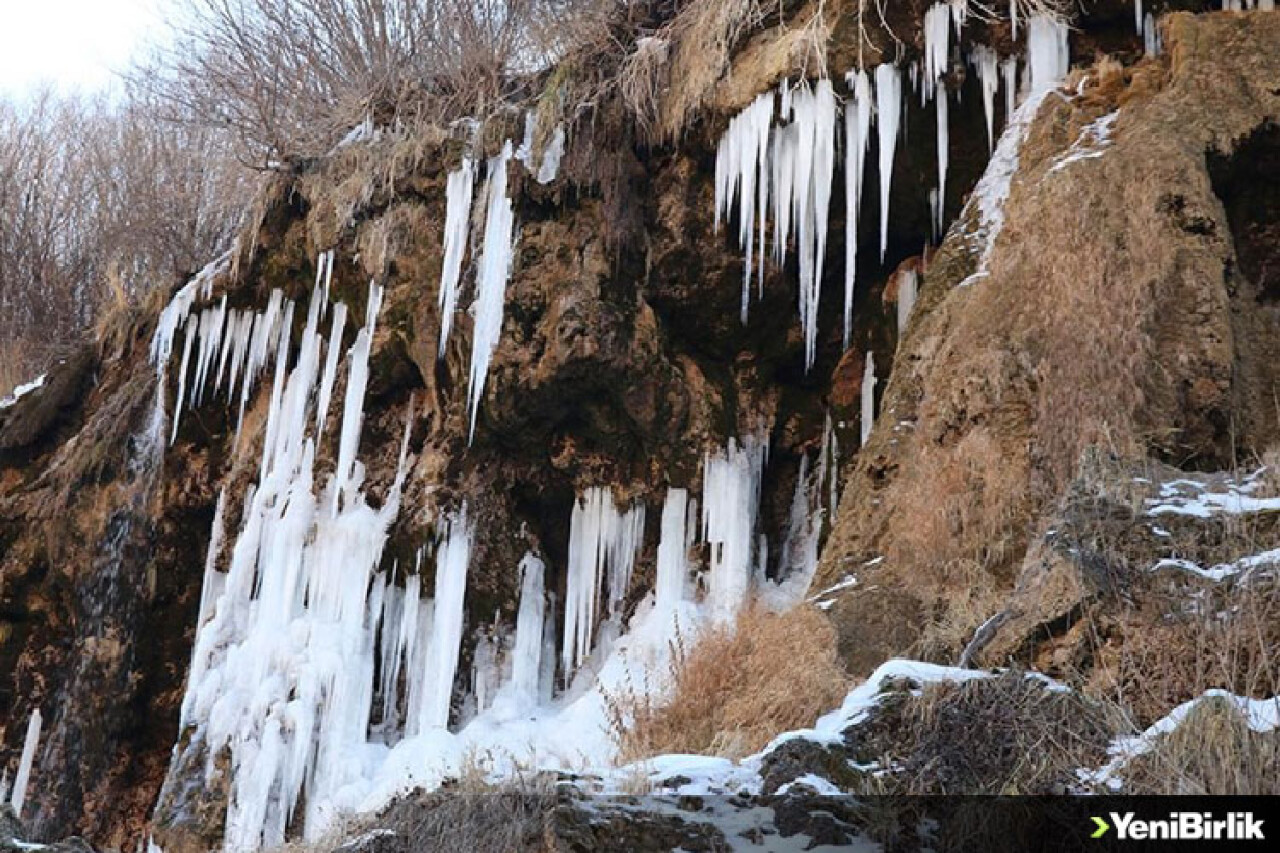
<point x="73" y="44"/>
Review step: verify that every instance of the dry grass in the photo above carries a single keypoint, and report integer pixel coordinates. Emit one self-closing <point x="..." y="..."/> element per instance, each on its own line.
<point x="665" y="82"/>
<point x="1213" y="752"/>
<point x="1010" y="735"/>
<point x="14" y="365"/>
<point x="964" y="503"/>
<point x="737" y="688"/>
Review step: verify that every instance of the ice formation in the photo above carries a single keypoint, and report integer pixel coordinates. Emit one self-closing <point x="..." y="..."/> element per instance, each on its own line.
<point x="491" y="280"/>
<point x="457" y="221"/>
<point x="940" y="102"/>
<point x="868" y="397"/>
<point x="1048" y="53"/>
<point x="453" y="555"/>
<point x="741" y="172"/>
<point x="889" y="113"/>
<point x="987" y="64"/>
<point x="1152" y="43"/>
<point x="857" y="136"/>
<point x="730" y="502"/>
<point x="327" y="684"/>
<point x="527" y="664"/>
<point x="19" y="795"/>
<point x="602" y="549"/>
<point x="786" y="171"/>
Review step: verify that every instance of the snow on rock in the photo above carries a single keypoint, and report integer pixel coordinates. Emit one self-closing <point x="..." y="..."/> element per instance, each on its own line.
<point x="1242" y="567"/>
<point x="1261" y="715"/>
<point x="22" y="390"/>
<point x="1194" y="498"/>
<point x="1093" y="141"/>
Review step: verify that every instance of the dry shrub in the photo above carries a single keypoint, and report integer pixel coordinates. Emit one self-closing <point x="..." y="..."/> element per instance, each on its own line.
<point x="1006" y="735"/>
<point x="696" y="45"/>
<point x="737" y="688"/>
<point x="1213" y="752"/>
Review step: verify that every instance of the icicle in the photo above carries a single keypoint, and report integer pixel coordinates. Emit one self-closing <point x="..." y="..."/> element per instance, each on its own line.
<point x="601" y="540"/>
<point x="857" y="124"/>
<point x="987" y="63"/>
<point x="740" y="165"/>
<point x="334" y="347"/>
<point x="526" y="664"/>
<point x="889" y="110"/>
<point x="1013" y="18"/>
<point x="672" y="571"/>
<point x="457" y="218"/>
<point x="815" y="118"/>
<point x="940" y="101"/>
<point x="452" y="559"/>
<point x="1009" y="69"/>
<point x="192" y="325"/>
<point x="1152" y="43"/>
<point x="937" y="48"/>
<point x="491" y="281"/>
<point x="868" y="397"/>
<point x="1048" y="53"/>
<point x="1137" y="16"/>
<point x="23" y="777"/>
<point x="730" y="502"/>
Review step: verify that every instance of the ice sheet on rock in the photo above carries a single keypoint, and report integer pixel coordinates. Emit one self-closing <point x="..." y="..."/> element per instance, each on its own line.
<point x="868" y="414"/>
<point x="992" y="190"/>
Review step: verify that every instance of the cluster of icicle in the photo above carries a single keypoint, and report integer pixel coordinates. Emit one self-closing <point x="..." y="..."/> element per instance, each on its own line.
<point x="496" y="249"/>
<point x="328" y="681"/>
<point x="776" y="159"/>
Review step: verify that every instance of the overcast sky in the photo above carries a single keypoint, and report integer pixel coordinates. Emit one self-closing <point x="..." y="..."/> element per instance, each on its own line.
<point x="74" y="44"/>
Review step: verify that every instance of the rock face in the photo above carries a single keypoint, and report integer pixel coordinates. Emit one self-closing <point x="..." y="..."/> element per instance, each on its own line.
<point x="1123" y="312"/>
<point x="1129" y="303"/>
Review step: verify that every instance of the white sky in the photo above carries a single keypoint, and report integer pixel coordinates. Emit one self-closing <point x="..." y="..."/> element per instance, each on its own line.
<point x="73" y="44"/>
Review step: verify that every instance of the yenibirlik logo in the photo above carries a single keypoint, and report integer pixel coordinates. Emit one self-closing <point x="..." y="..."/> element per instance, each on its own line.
<point x="1182" y="826"/>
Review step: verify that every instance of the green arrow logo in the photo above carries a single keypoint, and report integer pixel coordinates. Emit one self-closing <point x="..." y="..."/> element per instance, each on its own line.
<point x="1102" y="825"/>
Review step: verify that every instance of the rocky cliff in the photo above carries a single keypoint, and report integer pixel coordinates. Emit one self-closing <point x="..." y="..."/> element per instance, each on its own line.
<point x="1094" y="340"/>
